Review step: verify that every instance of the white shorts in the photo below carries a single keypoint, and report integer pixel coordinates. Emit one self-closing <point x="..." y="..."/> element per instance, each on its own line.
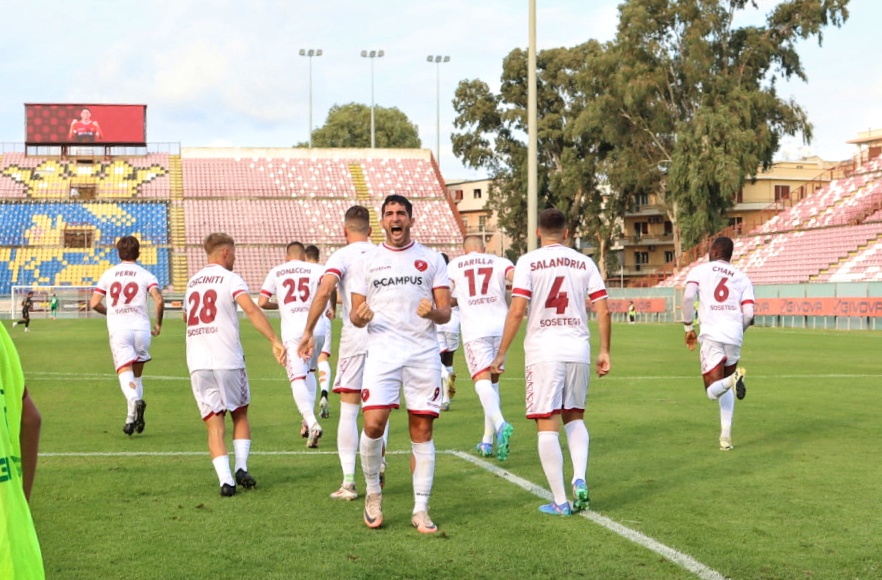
<point x="479" y="353"/>
<point x="553" y="387"/>
<point x="129" y="346"/>
<point x="297" y="367"/>
<point x="350" y="374"/>
<point x="714" y="353"/>
<point x="447" y="341"/>
<point x="383" y="384"/>
<point x="217" y="391"/>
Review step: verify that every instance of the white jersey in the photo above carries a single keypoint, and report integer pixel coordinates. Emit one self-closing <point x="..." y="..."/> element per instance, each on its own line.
<point x="394" y="280"/>
<point x="722" y="290"/>
<point x="212" y="320"/>
<point x="558" y="281"/>
<point x="353" y="340"/>
<point x="478" y="282"/>
<point x="452" y="325"/>
<point x="295" y="283"/>
<point x="126" y="287"/>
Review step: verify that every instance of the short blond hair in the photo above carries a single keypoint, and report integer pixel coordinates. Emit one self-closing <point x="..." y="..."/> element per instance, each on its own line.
<point x="215" y="241"/>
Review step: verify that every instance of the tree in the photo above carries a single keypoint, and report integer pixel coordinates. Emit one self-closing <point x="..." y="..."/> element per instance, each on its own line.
<point x="492" y="136"/>
<point x="350" y="126"/>
<point x="690" y="104"/>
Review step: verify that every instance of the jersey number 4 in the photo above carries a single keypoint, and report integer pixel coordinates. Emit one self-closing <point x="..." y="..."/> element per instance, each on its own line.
<point x="202" y="308"/>
<point x="557" y="299"/>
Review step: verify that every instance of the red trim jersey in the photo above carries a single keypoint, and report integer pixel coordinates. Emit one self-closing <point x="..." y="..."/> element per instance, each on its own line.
<point x="722" y="290"/>
<point x="125" y="288"/>
<point x="478" y="282"/>
<point x="341" y="264"/>
<point x="295" y="283"/>
<point x="393" y="281"/>
<point x="213" y="320"/>
<point x="557" y="281"/>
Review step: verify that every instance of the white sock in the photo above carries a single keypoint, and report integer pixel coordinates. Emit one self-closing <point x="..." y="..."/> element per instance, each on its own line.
<point x="445" y="396"/>
<point x="551" y="457"/>
<point x="727" y="409"/>
<point x="305" y="401"/>
<point x="129" y="391"/>
<point x="371" y="460"/>
<point x="347" y="440"/>
<point x="490" y="401"/>
<point x="324" y="373"/>
<point x="241" y="447"/>
<point x="139" y="388"/>
<point x="718" y="388"/>
<point x="222" y="467"/>
<point x="423" y="474"/>
<point x="577" y="442"/>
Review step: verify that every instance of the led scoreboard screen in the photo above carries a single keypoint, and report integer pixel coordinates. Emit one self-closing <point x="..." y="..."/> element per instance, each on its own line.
<point x="77" y="124"/>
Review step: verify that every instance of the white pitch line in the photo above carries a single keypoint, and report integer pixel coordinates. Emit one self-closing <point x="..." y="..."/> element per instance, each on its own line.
<point x="678" y="558"/>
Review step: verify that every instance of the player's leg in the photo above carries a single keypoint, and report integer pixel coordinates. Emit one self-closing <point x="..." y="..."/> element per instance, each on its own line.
<point x="452" y="343"/>
<point x="141" y="340"/>
<point x="544" y="407"/>
<point x="207" y="390"/>
<point x="371" y="450"/>
<point x="242" y="447"/>
<point x="422" y="409"/>
<point x="324" y="372"/>
<point x="574" y="401"/>
<point x="350" y="372"/>
<point x="303" y="392"/>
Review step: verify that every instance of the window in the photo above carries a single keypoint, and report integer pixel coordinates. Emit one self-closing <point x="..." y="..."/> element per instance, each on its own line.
<point x="669" y="228"/>
<point x="482" y="222"/>
<point x="782" y="192"/>
<point x="669" y="256"/>
<point x="641" y="257"/>
<point x="457" y="195"/>
<point x="78" y="238"/>
<point x="641" y="229"/>
<point x="476" y="194"/>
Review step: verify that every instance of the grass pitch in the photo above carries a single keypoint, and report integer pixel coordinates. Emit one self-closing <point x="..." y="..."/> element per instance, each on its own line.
<point x="798" y="497"/>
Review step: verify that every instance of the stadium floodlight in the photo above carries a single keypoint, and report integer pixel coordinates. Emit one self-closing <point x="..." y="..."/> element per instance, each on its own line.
<point x="437" y="60"/>
<point x="311" y="52"/>
<point x="372" y="54"/>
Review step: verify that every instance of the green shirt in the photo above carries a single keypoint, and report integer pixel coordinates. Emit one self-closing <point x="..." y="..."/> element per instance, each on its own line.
<point x="20" y="556"/>
<point x="53" y="302"/>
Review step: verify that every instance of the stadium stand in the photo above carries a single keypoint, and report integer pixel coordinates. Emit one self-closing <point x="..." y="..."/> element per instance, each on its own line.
<point x="834" y="235"/>
<point x="61" y="216"/>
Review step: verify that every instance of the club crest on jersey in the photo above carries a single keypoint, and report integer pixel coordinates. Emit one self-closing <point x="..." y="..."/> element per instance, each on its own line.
<point x="420" y="265"/>
<point x="365" y="394"/>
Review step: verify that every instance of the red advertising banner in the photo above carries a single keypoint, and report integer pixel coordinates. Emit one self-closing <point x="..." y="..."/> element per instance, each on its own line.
<point x="868" y="307"/>
<point x="643" y="305"/>
<point x="77" y="124"/>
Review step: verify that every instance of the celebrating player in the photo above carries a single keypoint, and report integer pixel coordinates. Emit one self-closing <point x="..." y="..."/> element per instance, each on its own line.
<point x="127" y="286"/>
<point x="725" y="303"/>
<point x="478" y="280"/>
<point x="323" y="364"/>
<point x="448" y="342"/>
<point x="296" y="282"/>
<point x="353" y="340"/>
<point x="216" y="360"/>
<point x="400" y="292"/>
<point x="556" y="281"/>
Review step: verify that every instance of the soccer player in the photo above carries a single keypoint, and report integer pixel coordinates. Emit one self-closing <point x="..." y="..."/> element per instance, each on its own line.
<point x="725" y="306"/>
<point x="127" y="286"/>
<point x="296" y="282"/>
<point x="478" y="280"/>
<point x="400" y="291"/>
<point x="557" y="281"/>
<point x="26" y="306"/>
<point x="53" y="306"/>
<point x="20" y="555"/>
<point x="323" y="366"/>
<point x="353" y="340"/>
<point x="448" y="342"/>
<point x="216" y="360"/>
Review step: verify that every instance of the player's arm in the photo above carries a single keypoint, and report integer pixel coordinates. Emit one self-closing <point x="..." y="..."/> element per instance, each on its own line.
<point x="262" y="324"/>
<point x="437" y="311"/>
<point x="332" y="304"/>
<point x="513" y="319"/>
<point x="29" y="439"/>
<point x="604" y="323"/>
<point x="263" y="301"/>
<point x="361" y="313"/>
<point x="747" y="313"/>
<point x="97" y="303"/>
<point x="98" y="133"/>
<point x="158" y="310"/>
<point x="688" y="310"/>
<point x="326" y="287"/>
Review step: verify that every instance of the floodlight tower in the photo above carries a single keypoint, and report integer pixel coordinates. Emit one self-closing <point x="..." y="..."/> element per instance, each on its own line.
<point x="372" y="54"/>
<point x="437" y="59"/>
<point x="310" y="52"/>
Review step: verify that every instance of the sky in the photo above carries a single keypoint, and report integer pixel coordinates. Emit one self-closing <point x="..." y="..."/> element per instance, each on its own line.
<point x="227" y="73"/>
